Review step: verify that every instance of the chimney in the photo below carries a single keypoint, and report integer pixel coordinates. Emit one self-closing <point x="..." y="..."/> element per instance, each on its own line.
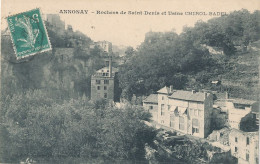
<point x="171" y="88"/>
<point x="110" y="66"/>
<point x="227" y="95"/>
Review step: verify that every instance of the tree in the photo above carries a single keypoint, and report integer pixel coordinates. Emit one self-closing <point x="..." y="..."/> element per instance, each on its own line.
<point x="160" y="61"/>
<point x="129" y="51"/>
<point x="39" y="127"/>
<point x="248" y="123"/>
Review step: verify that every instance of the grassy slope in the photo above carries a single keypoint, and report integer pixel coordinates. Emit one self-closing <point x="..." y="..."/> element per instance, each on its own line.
<point x="242" y="74"/>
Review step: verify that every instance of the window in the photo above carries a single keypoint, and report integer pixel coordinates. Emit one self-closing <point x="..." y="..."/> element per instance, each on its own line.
<point x="240" y="106"/>
<point x="162" y="105"/>
<point x="98" y="87"/>
<point x="172" y="120"/>
<point x="172" y="124"/>
<point x="106" y="74"/>
<point x="172" y="117"/>
<point x="235" y="139"/>
<point x="169" y="107"/>
<point x="105" y="87"/>
<point x="162" y="97"/>
<point x="97" y="81"/>
<point x="236" y="149"/>
<point x="162" y="110"/>
<point x="247" y="140"/>
<point x="150" y="107"/>
<point x="247" y="156"/>
<point x="256" y="160"/>
<point x="106" y="81"/>
<point x="195" y="126"/>
<point x="181" y="123"/>
<point x="105" y="95"/>
<point x="195" y="130"/>
<point x="103" y="74"/>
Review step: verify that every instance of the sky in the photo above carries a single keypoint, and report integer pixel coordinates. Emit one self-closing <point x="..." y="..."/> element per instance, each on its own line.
<point x="124" y="29"/>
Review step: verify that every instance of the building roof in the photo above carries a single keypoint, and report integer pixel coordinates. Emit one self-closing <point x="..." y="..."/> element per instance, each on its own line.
<point x="243" y="101"/>
<point x="107" y="68"/>
<point x="152" y="98"/>
<point x="104" y="72"/>
<point x="165" y="90"/>
<point x="104" y="69"/>
<point x="188" y="95"/>
<point x="234" y="132"/>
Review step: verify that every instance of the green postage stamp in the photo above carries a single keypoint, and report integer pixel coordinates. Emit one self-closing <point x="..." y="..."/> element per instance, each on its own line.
<point x="28" y="33"/>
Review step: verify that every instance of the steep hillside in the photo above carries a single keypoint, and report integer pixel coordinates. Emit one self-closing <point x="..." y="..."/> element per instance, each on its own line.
<point x="65" y="71"/>
<point x="242" y="73"/>
<point x="223" y="48"/>
<point x="239" y="73"/>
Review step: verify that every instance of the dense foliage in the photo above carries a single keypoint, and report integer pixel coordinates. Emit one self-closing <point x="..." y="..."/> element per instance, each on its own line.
<point x="239" y="28"/>
<point x="45" y="112"/>
<point x="162" y="59"/>
<point x="36" y="126"/>
<point x="248" y="123"/>
<point x="185" y="60"/>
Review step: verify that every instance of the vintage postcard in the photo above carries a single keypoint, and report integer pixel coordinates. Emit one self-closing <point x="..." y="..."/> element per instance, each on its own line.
<point x="95" y="81"/>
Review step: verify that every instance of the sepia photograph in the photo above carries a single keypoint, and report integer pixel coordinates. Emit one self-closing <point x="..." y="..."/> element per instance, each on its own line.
<point x="129" y="82"/>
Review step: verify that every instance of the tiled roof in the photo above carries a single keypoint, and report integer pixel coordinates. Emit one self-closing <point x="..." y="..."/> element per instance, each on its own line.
<point x="188" y="95"/>
<point x="165" y="90"/>
<point x="152" y="98"/>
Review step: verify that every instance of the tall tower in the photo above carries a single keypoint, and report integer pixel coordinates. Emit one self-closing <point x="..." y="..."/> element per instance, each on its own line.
<point x="109" y="65"/>
<point x="103" y="82"/>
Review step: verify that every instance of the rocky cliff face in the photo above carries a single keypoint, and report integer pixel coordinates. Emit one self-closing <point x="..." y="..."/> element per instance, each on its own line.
<point x="61" y="69"/>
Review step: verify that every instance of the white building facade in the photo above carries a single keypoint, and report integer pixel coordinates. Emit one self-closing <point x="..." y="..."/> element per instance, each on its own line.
<point x="188" y="112"/>
<point x="237" y="109"/>
<point x="244" y="146"/>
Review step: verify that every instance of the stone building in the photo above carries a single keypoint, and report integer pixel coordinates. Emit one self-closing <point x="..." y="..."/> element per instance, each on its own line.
<point x="244" y="146"/>
<point x="237" y="109"/>
<point x="150" y="103"/>
<point x="243" y="117"/>
<point x="104" y="83"/>
<point x="188" y="112"/>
